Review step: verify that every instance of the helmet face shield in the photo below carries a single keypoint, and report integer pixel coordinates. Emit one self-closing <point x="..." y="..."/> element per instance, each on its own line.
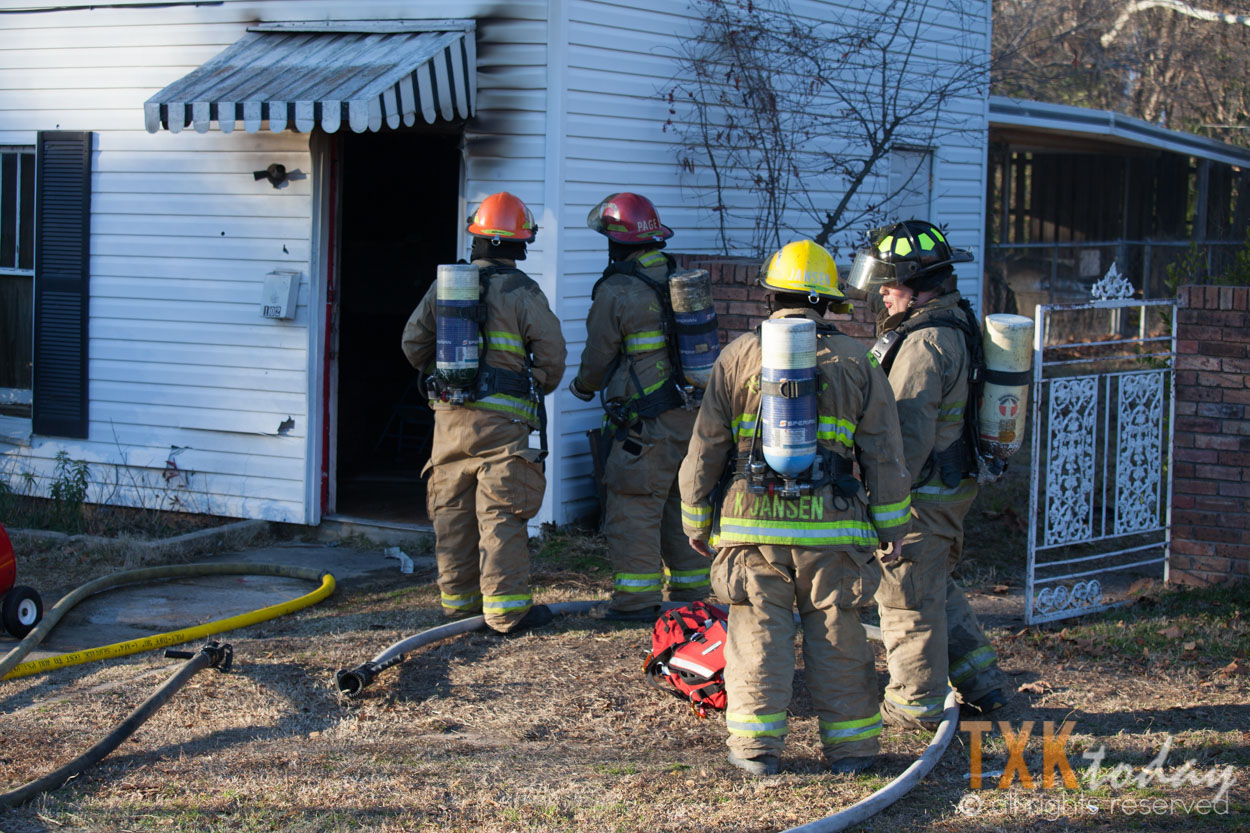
<point x="869" y="271"/>
<point x="913" y="253"/>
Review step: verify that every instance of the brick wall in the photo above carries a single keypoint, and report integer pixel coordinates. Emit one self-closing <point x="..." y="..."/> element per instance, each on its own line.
<point x="740" y="300"/>
<point x="1211" y="469"/>
<point x="1211" y="466"/>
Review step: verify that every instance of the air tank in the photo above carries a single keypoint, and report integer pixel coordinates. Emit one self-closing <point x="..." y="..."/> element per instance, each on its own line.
<point x="697" y="340"/>
<point x="788" y="388"/>
<point x="1008" y="343"/>
<point x="456" y="325"/>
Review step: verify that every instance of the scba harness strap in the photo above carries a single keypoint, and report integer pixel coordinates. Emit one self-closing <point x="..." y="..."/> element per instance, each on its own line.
<point x="491" y="380"/>
<point x="962" y="457"/>
<point x="668" y="395"/>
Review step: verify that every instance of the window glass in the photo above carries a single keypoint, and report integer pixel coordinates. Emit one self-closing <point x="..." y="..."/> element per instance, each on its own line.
<point x="17" y="260"/>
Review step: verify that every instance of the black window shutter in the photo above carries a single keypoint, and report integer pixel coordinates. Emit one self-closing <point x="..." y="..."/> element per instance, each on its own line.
<point x="62" y="248"/>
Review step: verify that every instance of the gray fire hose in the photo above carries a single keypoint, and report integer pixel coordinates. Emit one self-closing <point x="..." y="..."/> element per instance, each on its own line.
<point x="865" y="809"/>
<point x="352" y="682"/>
<point x="211" y="655"/>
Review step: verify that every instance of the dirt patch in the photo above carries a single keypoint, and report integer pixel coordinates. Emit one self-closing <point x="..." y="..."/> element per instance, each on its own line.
<point x="555" y="731"/>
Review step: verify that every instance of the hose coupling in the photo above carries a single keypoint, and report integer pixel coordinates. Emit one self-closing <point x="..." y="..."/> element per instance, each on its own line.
<point x="351" y="683"/>
<point x="219" y="656"/>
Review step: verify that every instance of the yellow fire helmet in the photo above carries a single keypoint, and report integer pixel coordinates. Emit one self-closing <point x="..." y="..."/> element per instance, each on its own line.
<point x="805" y="268"/>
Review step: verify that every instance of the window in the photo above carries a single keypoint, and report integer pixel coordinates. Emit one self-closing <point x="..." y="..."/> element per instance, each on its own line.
<point x="17" y="270"/>
<point x="911" y="183"/>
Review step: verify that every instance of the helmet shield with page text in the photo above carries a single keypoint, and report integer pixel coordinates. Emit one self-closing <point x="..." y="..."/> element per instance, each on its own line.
<point x="628" y="218"/>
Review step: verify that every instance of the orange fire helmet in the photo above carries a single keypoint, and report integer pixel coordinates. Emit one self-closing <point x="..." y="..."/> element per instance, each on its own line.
<point x="503" y="216"/>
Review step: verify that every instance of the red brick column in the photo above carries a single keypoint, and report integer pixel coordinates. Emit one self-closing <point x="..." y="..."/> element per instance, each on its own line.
<point x="1211" y="465"/>
<point x="740" y="300"/>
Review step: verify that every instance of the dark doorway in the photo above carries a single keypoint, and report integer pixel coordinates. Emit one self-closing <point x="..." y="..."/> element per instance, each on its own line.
<point x="400" y="206"/>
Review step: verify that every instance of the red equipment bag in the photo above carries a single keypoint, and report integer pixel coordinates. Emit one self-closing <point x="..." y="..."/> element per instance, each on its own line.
<point x="688" y="653"/>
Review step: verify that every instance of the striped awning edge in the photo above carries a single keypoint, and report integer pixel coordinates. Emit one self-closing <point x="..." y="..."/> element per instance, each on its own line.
<point x="365" y="74"/>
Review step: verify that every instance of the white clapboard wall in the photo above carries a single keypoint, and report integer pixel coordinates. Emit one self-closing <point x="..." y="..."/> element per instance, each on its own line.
<point x="569" y="109"/>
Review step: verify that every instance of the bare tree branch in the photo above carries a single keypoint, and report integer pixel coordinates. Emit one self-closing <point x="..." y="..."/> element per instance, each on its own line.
<point x="802" y="114"/>
<point x="1171" y="5"/>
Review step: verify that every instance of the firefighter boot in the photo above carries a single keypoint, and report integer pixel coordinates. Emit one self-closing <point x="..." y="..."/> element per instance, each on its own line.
<point x="852" y="766"/>
<point x="759" y="765"/>
<point x="646" y="614"/>
<point x="535" y="617"/>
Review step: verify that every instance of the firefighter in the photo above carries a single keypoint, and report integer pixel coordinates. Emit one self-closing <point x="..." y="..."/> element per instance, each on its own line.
<point x="486" y="481"/>
<point x="930" y="632"/>
<point x="820" y="550"/>
<point x="629" y="355"/>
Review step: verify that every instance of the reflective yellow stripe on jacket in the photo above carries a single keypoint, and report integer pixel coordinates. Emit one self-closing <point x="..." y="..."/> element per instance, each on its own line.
<point x="525" y="410"/>
<point x="805" y="534"/>
<point x="509" y="342"/>
<point x="699" y="517"/>
<point x="935" y="492"/>
<point x="644" y="342"/>
<point x="839" y="430"/>
<point x="891" y="515"/>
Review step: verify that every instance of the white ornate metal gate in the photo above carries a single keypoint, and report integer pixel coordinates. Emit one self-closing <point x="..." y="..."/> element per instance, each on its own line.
<point x="1103" y="410"/>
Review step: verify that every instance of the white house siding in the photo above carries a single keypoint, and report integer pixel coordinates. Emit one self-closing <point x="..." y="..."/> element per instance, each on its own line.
<point x="620" y="60"/>
<point x="182" y="235"/>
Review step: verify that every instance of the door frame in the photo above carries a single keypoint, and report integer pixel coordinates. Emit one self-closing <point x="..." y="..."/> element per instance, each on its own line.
<point x="319" y="490"/>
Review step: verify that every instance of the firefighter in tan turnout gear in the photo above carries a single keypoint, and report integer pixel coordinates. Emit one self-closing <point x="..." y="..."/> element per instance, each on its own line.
<point x="629" y="357"/>
<point x="929" y="630"/>
<point x="810" y="540"/>
<point x="485" y="480"/>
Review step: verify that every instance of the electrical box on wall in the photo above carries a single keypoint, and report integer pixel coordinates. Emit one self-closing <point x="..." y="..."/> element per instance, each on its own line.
<point x="280" y="293"/>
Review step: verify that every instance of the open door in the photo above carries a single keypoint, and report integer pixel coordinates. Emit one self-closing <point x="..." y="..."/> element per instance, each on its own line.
<point x="400" y="218"/>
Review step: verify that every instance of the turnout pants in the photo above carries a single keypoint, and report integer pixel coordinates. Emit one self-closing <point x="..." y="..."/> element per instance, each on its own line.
<point x="642" y="522"/>
<point x="763" y="585"/>
<point x="931" y="634"/>
<point x="484" y="486"/>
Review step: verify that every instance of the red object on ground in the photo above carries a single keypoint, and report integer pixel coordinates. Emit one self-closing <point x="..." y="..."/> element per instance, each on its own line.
<point x="8" y="563"/>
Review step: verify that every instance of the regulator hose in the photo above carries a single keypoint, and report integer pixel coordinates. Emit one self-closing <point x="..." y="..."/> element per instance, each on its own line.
<point x="11" y="669"/>
<point x="212" y="654"/>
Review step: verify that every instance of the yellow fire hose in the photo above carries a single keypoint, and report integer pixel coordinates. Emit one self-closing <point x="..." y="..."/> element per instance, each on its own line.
<point x="12" y="667"/>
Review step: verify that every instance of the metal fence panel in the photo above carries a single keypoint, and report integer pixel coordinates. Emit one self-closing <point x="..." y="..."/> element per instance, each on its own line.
<point x="1103" y="410"/>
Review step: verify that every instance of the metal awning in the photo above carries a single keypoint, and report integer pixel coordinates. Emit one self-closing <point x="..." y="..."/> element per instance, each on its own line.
<point x="1117" y="128"/>
<point x="303" y="75"/>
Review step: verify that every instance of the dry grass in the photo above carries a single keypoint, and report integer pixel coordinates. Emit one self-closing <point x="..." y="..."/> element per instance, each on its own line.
<point x="556" y="731"/>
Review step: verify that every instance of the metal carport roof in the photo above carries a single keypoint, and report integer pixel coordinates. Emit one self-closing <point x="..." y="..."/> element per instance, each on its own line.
<point x="1108" y="126"/>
